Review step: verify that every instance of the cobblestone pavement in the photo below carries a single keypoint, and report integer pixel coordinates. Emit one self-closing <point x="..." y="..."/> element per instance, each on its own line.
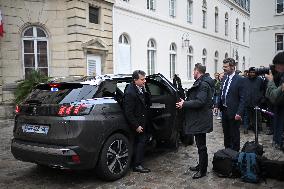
<point x="168" y="169"/>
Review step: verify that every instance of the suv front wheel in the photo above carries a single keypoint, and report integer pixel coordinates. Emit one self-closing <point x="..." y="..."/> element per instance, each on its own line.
<point x="115" y="157"/>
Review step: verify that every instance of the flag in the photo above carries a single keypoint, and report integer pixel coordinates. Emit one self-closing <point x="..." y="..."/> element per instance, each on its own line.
<point x="1" y="25"/>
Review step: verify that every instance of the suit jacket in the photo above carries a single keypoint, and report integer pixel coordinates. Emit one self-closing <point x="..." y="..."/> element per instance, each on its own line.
<point x="235" y="99"/>
<point x="135" y="107"/>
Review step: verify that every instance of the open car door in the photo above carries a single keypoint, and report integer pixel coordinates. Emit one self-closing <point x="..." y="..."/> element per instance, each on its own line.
<point x="163" y="113"/>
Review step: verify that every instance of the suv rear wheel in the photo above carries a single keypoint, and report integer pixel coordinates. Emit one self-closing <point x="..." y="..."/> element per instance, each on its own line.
<point x="115" y="157"/>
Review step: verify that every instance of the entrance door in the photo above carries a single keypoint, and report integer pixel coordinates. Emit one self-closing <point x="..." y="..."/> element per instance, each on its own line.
<point x="94" y="65"/>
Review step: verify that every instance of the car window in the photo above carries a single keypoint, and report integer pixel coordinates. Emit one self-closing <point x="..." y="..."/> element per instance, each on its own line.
<point x="63" y="93"/>
<point x="106" y="89"/>
<point x="156" y="89"/>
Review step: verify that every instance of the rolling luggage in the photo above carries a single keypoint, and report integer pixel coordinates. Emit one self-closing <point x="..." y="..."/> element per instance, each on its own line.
<point x="254" y="146"/>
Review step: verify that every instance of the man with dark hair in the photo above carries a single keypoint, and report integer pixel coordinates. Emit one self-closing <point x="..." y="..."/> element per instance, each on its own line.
<point x="275" y="93"/>
<point x="199" y="116"/>
<point x="232" y="103"/>
<point x="135" y="109"/>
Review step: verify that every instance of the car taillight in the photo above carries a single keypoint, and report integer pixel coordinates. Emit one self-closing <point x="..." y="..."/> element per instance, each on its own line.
<point x="61" y="111"/>
<point x="17" y="109"/>
<point x="80" y="109"/>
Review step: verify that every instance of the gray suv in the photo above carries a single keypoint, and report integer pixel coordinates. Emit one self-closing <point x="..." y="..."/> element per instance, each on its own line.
<point x="80" y="124"/>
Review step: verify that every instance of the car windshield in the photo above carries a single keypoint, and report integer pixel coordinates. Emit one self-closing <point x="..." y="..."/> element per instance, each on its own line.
<point x="61" y="93"/>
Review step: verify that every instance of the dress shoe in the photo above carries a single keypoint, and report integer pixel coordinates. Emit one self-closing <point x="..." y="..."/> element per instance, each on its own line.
<point x="141" y="169"/>
<point x="196" y="168"/>
<point x="198" y="175"/>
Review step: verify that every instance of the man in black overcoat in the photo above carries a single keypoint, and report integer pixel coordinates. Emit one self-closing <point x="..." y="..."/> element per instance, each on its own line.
<point x="199" y="116"/>
<point x="135" y="109"/>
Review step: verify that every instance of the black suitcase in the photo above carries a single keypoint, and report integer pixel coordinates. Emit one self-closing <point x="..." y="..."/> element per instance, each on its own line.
<point x="254" y="146"/>
<point x="272" y="168"/>
<point x="225" y="163"/>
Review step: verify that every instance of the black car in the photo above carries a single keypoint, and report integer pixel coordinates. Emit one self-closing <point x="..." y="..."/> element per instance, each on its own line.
<point x="80" y="124"/>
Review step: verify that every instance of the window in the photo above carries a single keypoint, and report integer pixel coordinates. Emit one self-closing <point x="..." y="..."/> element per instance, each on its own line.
<point x="123" y="39"/>
<point x="151" y="56"/>
<point x="94" y="13"/>
<point x="226" y="55"/>
<point x="189" y="10"/>
<point x="216" y="19"/>
<point x="151" y="5"/>
<point x="189" y="62"/>
<point x="172" y="6"/>
<point x="204" y="14"/>
<point x="35" y="50"/>
<point x="204" y="56"/>
<point x="216" y="59"/>
<point x="279" y="42"/>
<point x="244" y="32"/>
<point x="123" y="65"/>
<point x="244" y="64"/>
<point x="237" y="29"/>
<point x="279" y="6"/>
<point x="237" y="60"/>
<point x="173" y="54"/>
<point x="226" y="24"/>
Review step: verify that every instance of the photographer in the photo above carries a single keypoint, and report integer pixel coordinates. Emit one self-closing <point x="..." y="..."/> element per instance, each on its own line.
<point x="275" y="93"/>
<point x="255" y="92"/>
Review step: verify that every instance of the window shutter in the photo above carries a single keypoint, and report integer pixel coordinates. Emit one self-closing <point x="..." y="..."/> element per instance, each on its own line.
<point x="91" y="67"/>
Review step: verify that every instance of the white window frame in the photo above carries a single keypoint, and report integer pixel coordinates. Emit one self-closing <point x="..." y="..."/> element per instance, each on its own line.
<point x="244" y="32"/>
<point x="204" y="14"/>
<point x="189" y="62"/>
<point x="204" y="57"/>
<point x="35" y="39"/>
<point x="226" y="24"/>
<point x="279" y="42"/>
<point x="226" y="55"/>
<point x="237" y="29"/>
<point x="172" y="8"/>
<point x="189" y="11"/>
<point x="151" y="5"/>
<point x="276" y="4"/>
<point x="216" y="19"/>
<point x="216" y="61"/>
<point x="244" y="64"/>
<point x="151" y="56"/>
<point x="173" y="59"/>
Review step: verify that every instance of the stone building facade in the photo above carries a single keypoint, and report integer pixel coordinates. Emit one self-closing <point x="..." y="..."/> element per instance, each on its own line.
<point x="58" y="37"/>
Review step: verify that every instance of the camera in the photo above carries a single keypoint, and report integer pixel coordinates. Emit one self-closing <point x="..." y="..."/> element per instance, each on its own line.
<point x="265" y="70"/>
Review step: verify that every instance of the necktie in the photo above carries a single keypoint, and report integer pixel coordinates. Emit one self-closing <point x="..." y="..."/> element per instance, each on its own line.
<point x="223" y="98"/>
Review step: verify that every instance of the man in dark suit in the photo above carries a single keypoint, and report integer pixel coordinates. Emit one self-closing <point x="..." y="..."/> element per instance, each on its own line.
<point x="135" y="109"/>
<point x="232" y="103"/>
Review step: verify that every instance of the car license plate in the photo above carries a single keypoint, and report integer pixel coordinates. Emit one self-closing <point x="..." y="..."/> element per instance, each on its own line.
<point x="40" y="129"/>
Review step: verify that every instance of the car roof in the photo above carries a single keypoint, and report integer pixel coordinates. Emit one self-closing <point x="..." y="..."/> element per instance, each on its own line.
<point x="91" y="80"/>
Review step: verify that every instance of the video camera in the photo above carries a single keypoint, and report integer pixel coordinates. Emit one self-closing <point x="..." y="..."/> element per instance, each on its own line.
<point x="265" y="70"/>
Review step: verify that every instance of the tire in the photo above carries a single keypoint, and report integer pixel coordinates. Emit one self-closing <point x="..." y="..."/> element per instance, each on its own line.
<point x="187" y="139"/>
<point x="115" y="158"/>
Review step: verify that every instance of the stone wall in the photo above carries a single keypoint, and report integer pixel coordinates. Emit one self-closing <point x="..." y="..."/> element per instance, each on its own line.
<point x="67" y="26"/>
